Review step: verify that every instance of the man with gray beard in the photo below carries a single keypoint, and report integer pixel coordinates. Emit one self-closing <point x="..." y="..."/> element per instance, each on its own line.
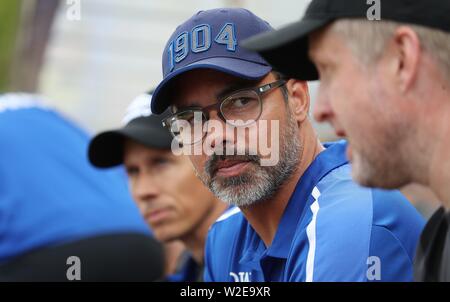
<point x="299" y="216"/>
<point x="266" y="180"/>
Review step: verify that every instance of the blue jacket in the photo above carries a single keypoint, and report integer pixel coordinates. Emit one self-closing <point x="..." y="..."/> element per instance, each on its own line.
<point x="332" y="230"/>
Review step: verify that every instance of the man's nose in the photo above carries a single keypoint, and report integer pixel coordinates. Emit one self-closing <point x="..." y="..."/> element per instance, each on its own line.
<point x="219" y="134"/>
<point x="146" y="188"/>
<point x="322" y="110"/>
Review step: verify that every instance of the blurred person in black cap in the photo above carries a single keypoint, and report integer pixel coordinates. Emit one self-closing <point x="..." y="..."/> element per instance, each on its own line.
<point x="60" y="218"/>
<point x="385" y="85"/>
<point x="172" y="200"/>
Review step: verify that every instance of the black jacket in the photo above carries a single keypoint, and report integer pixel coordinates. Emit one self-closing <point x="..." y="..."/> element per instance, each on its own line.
<point x="432" y="262"/>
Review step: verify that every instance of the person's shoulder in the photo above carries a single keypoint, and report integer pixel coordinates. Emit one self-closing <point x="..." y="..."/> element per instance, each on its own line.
<point x="396" y="218"/>
<point x="385" y="208"/>
<point x="348" y="224"/>
<point x="338" y="190"/>
<point x="224" y="245"/>
<point x="228" y="224"/>
<point x="229" y="230"/>
<point x="392" y="208"/>
<point x="332" y="240"/>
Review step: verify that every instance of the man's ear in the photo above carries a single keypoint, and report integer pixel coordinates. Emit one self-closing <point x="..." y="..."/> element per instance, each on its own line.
<point x="298" y="99"/>
<point x="407" y="53"/>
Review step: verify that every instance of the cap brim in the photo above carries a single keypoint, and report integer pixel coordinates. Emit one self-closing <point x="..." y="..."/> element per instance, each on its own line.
<point x="235" y="67"/>
<point x="106" y="149"/>
<point x="286" y="49"/>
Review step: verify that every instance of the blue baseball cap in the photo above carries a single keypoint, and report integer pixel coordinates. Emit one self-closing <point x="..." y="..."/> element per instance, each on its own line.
<point x="211" y="40"/>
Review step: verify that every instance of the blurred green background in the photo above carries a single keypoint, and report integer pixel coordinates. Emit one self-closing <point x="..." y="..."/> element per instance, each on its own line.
<point x="9" y="24"/>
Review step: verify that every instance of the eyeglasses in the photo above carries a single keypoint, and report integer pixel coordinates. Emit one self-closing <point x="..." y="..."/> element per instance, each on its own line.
<point x="240" y="108"/>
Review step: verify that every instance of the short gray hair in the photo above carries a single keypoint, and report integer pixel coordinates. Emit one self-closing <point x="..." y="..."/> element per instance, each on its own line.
<point x="368" y="40"/>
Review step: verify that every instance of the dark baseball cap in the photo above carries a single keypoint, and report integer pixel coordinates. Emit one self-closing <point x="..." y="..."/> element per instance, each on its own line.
<point x="211" y="39"/>
<point x="140" y="125"/>
<point x="286" y="49"/>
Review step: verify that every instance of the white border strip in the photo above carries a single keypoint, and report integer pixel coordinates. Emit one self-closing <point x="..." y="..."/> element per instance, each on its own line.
<point x="17" y="101"/>
<point x="311" y="233"/>
<point x="228" y="214"/>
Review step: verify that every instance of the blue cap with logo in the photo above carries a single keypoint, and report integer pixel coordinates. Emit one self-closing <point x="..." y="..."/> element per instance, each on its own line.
<point x="211" y="40"/>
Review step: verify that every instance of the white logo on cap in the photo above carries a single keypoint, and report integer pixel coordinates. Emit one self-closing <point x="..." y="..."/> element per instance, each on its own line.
<point x="139" y="107"/>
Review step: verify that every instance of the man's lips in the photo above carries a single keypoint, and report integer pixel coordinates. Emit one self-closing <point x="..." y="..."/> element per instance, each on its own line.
<point x="158" y="215"/>
<point x="339" y="132"/>
<point x="228" y="168"/>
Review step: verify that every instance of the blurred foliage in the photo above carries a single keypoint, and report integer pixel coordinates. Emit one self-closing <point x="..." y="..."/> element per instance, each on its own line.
<point x="9" y="23"/>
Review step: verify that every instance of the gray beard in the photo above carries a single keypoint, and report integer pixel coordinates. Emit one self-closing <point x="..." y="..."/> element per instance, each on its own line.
<point x="260" y="183"/>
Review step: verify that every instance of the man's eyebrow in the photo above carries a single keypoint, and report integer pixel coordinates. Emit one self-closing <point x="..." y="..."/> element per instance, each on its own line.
<point x="234" y="87"/>
<point x="222" y="93"/>
<point x="182" y="108"/>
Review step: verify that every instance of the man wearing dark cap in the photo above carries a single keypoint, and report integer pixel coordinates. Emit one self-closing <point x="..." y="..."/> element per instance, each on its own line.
<point x="298" y="217"/>
<point x="172" y="200"/>
<point x="385" y="85"/>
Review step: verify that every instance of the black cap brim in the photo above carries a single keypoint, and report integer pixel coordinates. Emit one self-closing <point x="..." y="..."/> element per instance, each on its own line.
<point x="106" y="149"/>
<point x="286" y="49"/>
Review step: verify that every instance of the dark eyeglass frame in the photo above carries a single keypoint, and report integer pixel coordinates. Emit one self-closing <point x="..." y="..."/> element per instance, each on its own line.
<point x="260" y="91"/>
